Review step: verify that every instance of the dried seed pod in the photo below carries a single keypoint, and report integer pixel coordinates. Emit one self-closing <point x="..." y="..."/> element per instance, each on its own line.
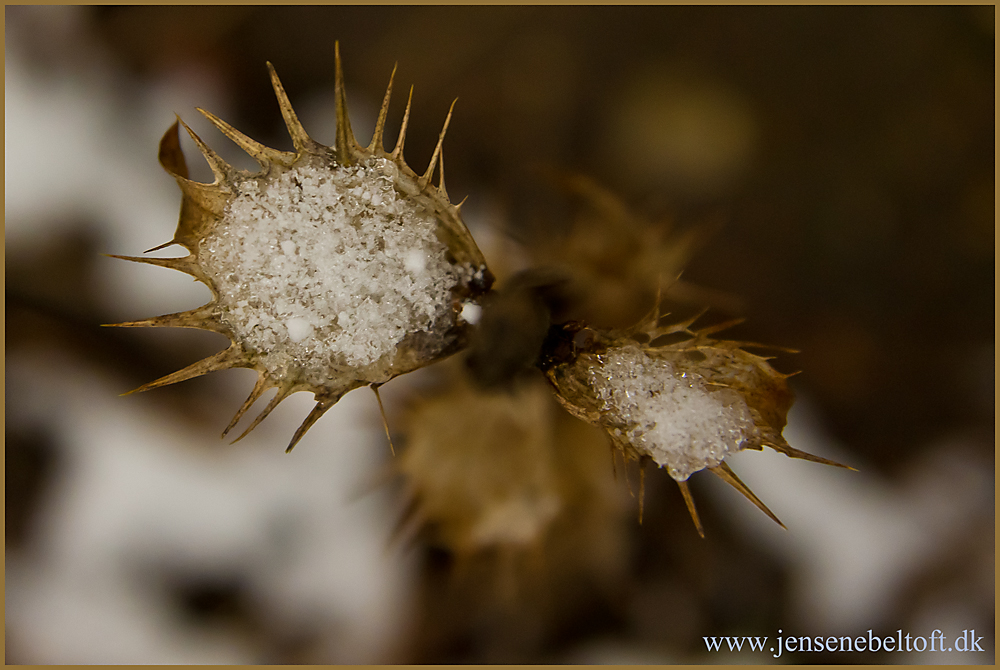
<point x="479" y="465"/>
<point x="330" y="268"/>
<point x="613" y="256"/>
<point x="509" y="483"/>
<point x="686" y="404"/>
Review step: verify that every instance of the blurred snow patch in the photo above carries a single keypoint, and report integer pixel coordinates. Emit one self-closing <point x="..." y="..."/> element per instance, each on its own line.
<point x="854" y="539"/>
<point x="78" y="151"/>
<point x="143" y="493"/>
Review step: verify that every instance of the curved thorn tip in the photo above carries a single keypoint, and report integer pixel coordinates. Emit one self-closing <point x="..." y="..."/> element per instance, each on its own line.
<point x="689" y="501"/>
<point x="300" y="139"/>
<point x="345" y="143"/>
<point x="397" y="152"/>
<point x="726" y="474"/>
<point x="437" y="150"/>
<point x="283" y="392"/>
<point x="376" y="144"/>
<point x="220" y="168"/>
<point x="258" y="389"/>
<point x="319" y="410"/>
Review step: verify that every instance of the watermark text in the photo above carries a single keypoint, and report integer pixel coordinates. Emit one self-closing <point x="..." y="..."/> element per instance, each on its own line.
<point x="966" y="641"/>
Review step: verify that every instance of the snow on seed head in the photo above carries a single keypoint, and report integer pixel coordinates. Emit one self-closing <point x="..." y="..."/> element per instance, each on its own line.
<point x="671" y="416"/>
<point x="327" y="263"/>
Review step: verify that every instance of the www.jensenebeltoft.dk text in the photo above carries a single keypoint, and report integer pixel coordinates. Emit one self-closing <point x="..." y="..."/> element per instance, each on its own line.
<point x="936" y="641"/>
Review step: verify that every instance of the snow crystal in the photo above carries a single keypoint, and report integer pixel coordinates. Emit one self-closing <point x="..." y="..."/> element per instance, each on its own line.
<point x="414" y="261"/>
<point x="298" y="329"/>
<point x="323" y="266"/>
<point x="471" y="312"/>
<point x="670" y="415"/>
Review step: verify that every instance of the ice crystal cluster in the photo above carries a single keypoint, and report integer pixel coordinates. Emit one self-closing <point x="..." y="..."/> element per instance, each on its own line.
<point x="328" y="269"/>
<point x="671" y="415"/>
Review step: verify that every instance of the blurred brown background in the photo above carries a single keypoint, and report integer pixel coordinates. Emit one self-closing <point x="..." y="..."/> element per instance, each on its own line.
<point x="843" y="158"/>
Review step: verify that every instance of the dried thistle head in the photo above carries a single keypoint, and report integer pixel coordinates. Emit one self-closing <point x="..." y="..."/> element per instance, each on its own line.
<point x="674" y="396"/>
<point x="518" y="491"/>
<point x="330" y="268"/>
<point x="479" y="466"/>
<point x="613" y="255"/>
